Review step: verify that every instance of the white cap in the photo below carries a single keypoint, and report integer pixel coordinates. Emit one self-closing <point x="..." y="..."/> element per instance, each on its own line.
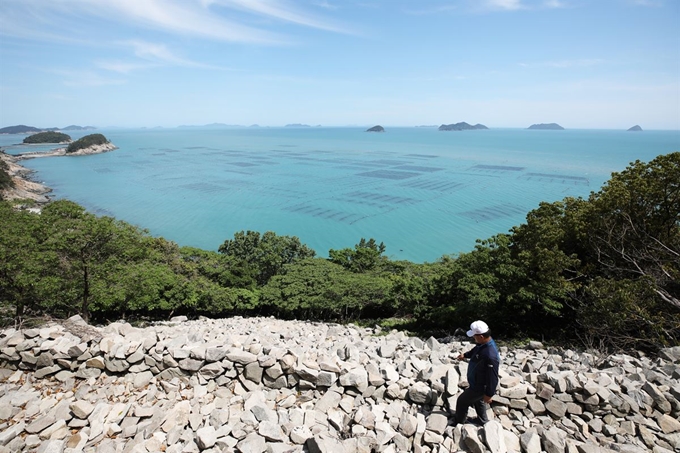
<point x="477" y="328"/>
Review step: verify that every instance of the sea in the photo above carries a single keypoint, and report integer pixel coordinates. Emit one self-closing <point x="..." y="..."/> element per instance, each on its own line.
<point x="424" y="193"/>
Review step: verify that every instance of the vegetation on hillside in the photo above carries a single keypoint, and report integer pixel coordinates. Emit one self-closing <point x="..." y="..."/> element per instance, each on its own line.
<point x="5" y="179"/>
<point x="86" y="142"/>
<point x="604" y="271"/>
<point x="47" y="137"/>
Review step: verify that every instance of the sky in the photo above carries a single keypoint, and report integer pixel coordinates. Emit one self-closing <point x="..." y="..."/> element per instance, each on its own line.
<point x="604" y="64"/>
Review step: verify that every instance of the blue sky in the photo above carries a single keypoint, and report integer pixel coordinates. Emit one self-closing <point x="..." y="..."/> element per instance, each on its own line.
<point x="604" y="64"/>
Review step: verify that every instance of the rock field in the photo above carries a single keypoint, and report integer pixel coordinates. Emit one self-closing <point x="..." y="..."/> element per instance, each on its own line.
<point x="264" y="385"/>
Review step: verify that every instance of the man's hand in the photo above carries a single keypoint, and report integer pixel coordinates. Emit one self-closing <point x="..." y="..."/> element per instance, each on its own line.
<point x="460" y="357"/>
<point x="488" y="399"/>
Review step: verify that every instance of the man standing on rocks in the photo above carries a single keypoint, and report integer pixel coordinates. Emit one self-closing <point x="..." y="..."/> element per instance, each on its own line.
<point x="482" y="374"/>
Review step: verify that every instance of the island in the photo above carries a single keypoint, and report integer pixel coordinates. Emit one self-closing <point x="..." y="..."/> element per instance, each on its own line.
<point x="90" y="144"/>
<point x="297" y="125"/>
<point x="47" y="137"/>
<point x="73" y="127"/>
<point x="546" y="127"/>
<point x="19" y="129"/>
<point x="463" y="126"/>
<point x="376" y="129"/>
<point x="635" y="128"/>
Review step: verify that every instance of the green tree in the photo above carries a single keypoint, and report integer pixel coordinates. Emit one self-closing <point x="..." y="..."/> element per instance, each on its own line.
<point x="625" y="315"/>
<point x="256" y="258"/>
<point x="88" y="248"/>
<point x="320" y="289"/>
<point x="634" y="225"/>
<point x="632" y="231"/>
<point x="365" y="256"/>
<point x="6" y="181"/>
<point x="23" y="264"/>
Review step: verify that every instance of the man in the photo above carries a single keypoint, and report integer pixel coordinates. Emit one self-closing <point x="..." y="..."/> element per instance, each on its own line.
<point x="482" y="374"/>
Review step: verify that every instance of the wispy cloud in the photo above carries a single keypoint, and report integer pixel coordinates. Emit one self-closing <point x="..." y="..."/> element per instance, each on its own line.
<point x="652" y="3"/>
<point x="179" y="17"/>
<point x="221" y="20"/>
<point x="516" y="5"/>
<point x="85" y="78"/>
<point x="122" y="67"/>
<point x="324" y="4"/>
<point x="283" y="11"/>
<point x="510" y="5"/>
<point x="161" y="55"/>
<point x="564" y="63"/>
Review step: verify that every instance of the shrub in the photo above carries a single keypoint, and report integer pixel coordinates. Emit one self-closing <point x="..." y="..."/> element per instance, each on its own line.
<point x="5" y="179"/>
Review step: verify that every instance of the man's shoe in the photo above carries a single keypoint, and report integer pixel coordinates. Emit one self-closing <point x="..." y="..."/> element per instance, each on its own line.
<point x="475" y="421"/>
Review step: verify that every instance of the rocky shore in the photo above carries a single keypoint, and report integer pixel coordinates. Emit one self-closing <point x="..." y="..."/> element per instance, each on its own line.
<point x="266" y="385"/>
<point x="26" y="189"/>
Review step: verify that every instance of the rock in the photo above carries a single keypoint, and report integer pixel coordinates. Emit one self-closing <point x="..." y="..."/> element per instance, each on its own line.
<point x="324" y="443"/>
<point x="252" y="443"/>
<point x="530" y="442"/>
<point x="668" y="424"/>
<point x="206" y="437"/>
<point x="81" y="409"/>
<point x="142" y="379"/>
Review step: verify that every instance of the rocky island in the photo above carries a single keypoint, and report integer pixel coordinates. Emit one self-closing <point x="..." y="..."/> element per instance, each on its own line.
<point x="267" y="385"/>
<point x="546" y="127"/>
<point x="635" y="128"/>
<point x="376" y="129"/>
<point x="463" y="126"/>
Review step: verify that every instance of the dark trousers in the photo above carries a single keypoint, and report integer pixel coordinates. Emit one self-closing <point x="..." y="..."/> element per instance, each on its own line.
<point x="471" y="397"/>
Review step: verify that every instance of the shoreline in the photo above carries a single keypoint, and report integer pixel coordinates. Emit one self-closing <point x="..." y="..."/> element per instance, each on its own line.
<point x="27" y="189"/>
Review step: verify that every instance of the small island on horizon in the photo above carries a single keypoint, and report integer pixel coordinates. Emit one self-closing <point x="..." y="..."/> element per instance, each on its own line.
<point x="546" y="127"/>
<point x="635" y="128"/>
<point x="462" y="126"/>
<point x="377" y="128"/>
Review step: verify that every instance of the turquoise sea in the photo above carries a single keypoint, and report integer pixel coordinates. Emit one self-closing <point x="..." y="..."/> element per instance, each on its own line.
<point x="422" y="192"/>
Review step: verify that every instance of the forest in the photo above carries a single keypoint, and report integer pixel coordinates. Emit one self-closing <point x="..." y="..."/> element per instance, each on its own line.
<point x="601" y="271"/>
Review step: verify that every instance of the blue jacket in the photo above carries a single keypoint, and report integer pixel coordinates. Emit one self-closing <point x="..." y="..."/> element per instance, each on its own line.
<point x="482" y="374"/>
